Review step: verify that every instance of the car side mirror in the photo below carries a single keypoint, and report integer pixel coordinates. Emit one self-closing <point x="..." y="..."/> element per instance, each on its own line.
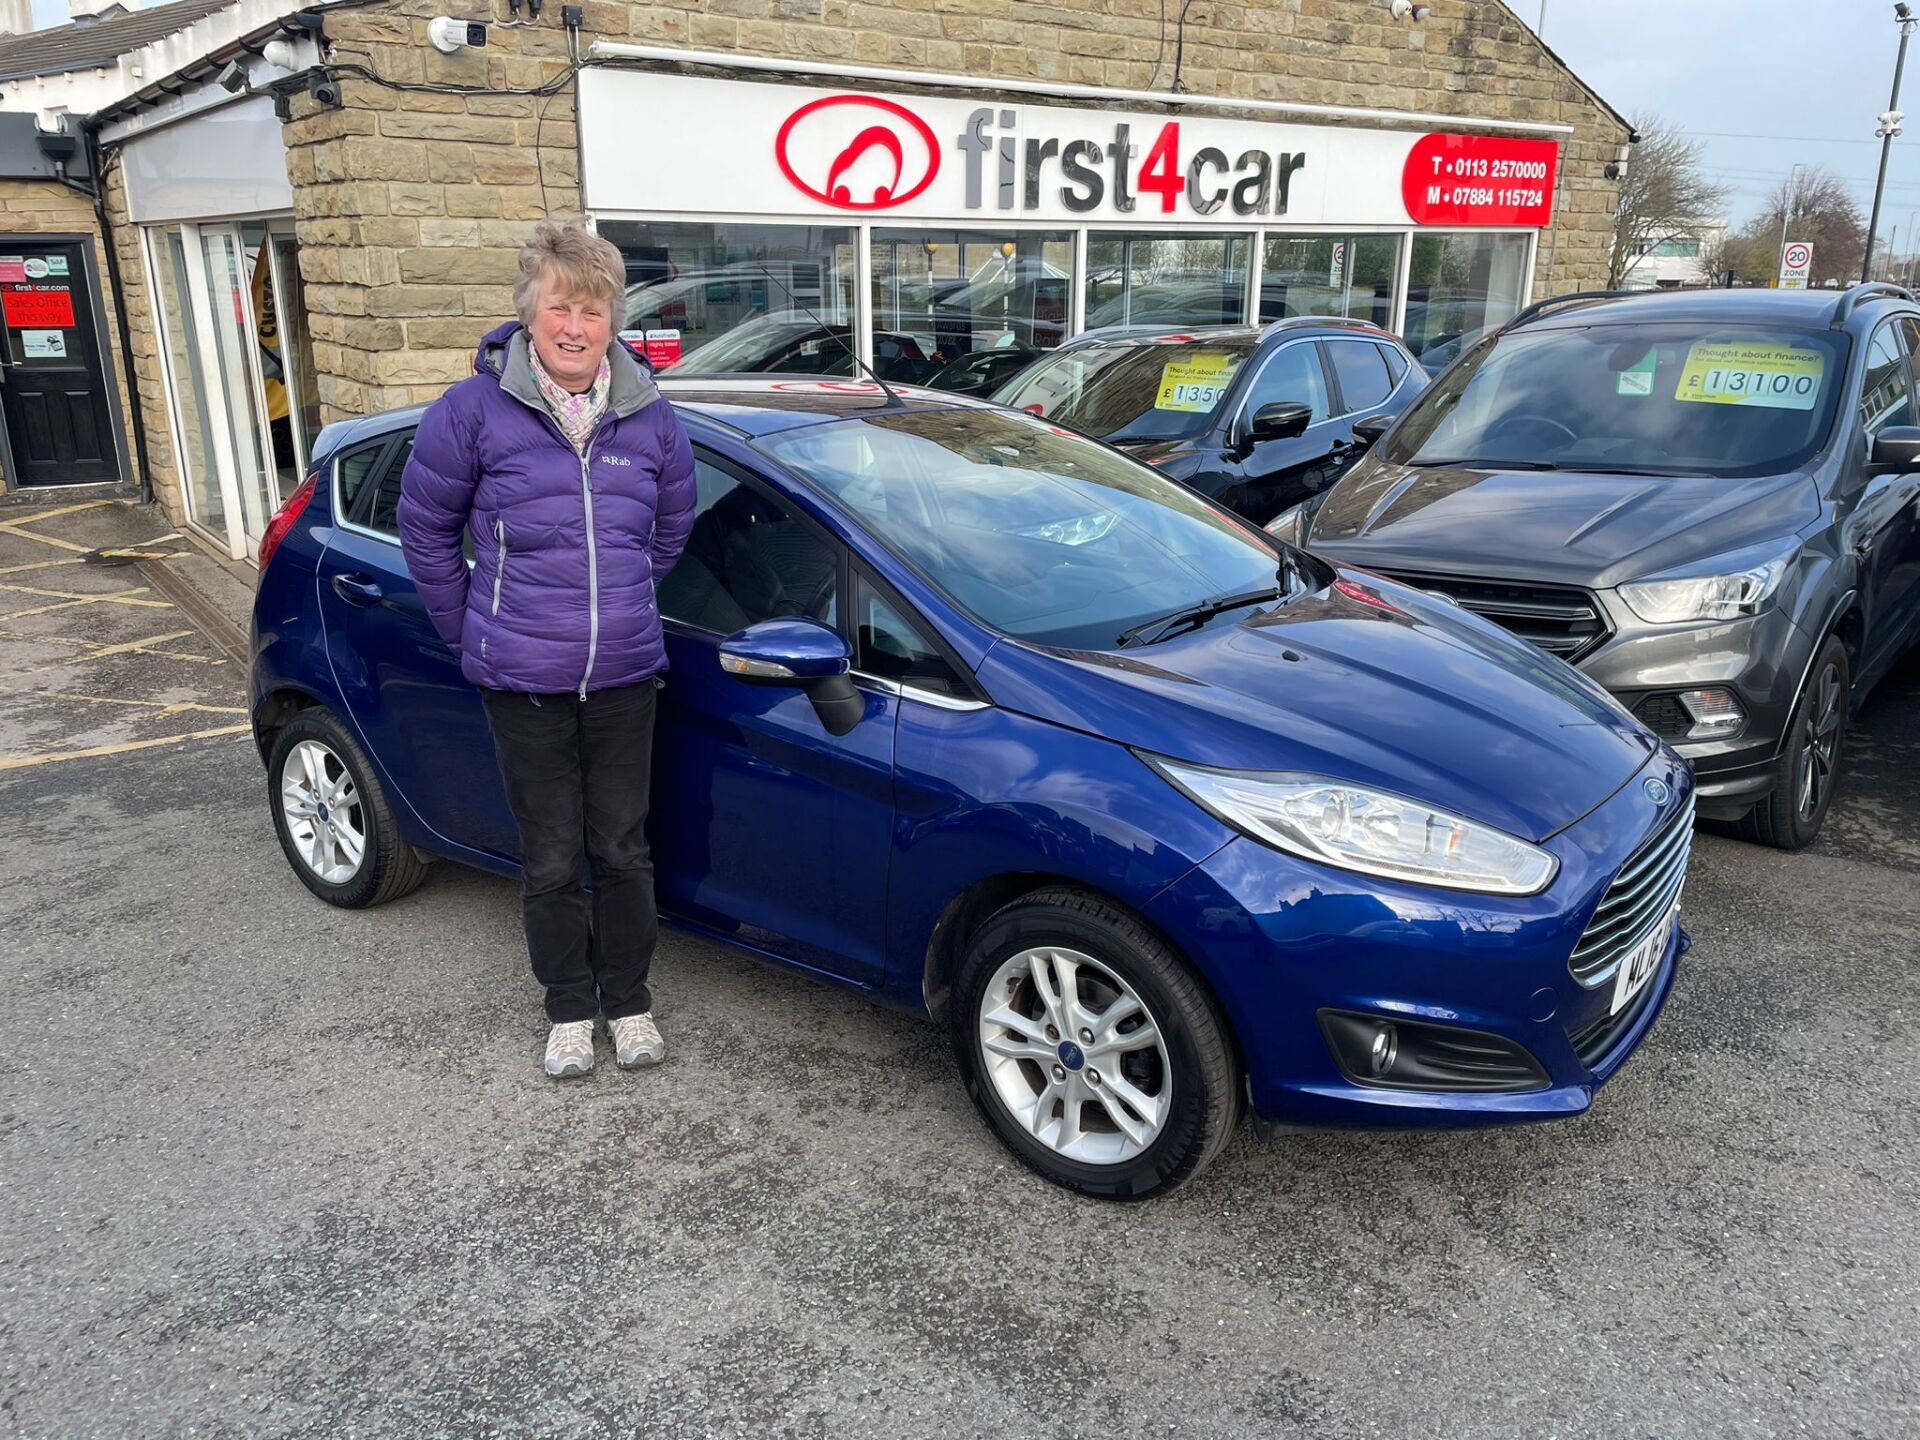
<point x="1282" y="420"/>
<point x="1896" y="448"/>
<point x="1367" y="431"/>
<point x="803" y="654"/>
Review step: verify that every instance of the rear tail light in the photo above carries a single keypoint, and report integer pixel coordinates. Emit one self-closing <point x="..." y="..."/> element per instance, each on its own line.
<point x="284" y="518"/>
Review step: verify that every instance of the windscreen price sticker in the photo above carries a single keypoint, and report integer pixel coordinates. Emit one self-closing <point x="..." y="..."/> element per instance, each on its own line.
<point x="1195" y="384"/>
<point x="1770" y="377"/>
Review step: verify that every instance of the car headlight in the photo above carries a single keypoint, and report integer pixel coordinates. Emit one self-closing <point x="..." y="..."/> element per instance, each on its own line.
<point x="1727" y="590"/>
<point x="1354" y="828"/>
<point x="1290" y="525"/>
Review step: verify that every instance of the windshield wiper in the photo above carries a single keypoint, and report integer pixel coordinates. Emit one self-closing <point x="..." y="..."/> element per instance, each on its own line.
<point x="1483" y="465"/>
<point x="1194" y="616"/>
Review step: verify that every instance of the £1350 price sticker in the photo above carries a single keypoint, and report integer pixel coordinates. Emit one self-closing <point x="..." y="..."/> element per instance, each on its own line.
<point x="1196" y="383"/>
<point x="1772" y="377"/>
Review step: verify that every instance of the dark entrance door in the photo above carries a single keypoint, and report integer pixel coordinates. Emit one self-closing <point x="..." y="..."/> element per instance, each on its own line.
<point x="52" y="384"/>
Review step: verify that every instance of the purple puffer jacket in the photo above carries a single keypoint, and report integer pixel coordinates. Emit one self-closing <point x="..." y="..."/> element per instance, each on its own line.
<point x="566" y="552"/>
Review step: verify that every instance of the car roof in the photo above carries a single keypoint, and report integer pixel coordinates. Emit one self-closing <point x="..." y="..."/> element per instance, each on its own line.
<point x="749" y="405"/>
<point x="1808" y="309"/>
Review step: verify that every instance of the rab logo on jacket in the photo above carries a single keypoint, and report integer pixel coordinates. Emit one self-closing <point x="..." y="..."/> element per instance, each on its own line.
<point x="615" y="460"/>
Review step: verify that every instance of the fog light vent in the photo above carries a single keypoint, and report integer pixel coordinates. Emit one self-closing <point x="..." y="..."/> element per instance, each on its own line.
<point x="1415" y="1055"/>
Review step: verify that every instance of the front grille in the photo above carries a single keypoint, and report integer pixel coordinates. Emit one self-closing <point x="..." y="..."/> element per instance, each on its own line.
<point x="1560" y="619"/>
<point x="1665" y="716"/>
<point x="1641" y="893"/>
<point x="1596" y="1041"/>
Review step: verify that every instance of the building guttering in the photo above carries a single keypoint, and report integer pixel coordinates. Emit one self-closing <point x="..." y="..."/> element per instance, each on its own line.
<point x="605" y="50"/>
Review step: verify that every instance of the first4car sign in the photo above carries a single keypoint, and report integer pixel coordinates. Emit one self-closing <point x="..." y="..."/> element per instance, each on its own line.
<point x="1796" y="260"/>
<point x="763" y="149"/>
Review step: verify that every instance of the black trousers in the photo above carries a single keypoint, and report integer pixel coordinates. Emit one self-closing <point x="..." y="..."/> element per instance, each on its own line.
<point x="578" y="773"/>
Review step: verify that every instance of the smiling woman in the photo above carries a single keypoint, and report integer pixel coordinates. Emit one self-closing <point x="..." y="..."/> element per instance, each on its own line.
<point x="575" y="481"/>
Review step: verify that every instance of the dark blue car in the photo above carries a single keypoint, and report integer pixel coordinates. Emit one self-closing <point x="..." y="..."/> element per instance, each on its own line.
<point x="1158" y="816"/>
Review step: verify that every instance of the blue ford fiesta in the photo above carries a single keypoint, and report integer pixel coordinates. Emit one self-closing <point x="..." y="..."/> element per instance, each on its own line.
<point x="1158" y="816"/>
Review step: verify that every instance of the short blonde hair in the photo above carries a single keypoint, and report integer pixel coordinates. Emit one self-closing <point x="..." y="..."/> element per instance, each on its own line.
<point x="582" y="263"/>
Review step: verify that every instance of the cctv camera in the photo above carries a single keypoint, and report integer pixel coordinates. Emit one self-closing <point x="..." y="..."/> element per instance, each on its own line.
<point x="233" y="77"/>
<point x="449" y="35"/>
<point x="1409" y="10"/>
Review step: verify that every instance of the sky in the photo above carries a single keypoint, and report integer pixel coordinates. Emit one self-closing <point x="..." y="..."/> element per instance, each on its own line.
<point x="1764" y="84"/>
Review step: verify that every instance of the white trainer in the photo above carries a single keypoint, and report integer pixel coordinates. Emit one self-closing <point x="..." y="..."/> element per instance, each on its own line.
<point x="570" y="1049"/>
<point x="637" y="1041"/>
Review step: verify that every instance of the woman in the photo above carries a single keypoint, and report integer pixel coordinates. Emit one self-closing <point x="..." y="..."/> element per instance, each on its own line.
<point x="576" y="482"/>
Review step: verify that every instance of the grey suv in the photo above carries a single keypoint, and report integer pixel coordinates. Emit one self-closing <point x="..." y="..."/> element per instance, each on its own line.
<point x="1709" y="501"/>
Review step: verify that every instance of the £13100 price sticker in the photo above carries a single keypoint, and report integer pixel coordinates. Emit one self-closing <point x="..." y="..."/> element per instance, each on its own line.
<point x="1772" y="377"/>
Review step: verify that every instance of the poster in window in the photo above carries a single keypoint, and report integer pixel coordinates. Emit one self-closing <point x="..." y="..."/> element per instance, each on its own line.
<point x="43" y="344"/>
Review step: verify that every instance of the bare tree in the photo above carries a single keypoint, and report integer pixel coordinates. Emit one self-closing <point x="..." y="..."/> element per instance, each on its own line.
<point x="1663" y="196"/>
<point x="1817" y="208"/>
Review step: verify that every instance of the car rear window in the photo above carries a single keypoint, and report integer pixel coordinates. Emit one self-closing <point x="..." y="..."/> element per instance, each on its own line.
<point x="1149" y="390"/>
<point x="1364" y="382"/>
<point x="1678" y="398"/>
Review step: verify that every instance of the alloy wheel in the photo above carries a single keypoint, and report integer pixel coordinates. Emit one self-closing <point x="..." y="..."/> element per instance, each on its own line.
<point x="1075" y="1055"/>
<point x="1819" y="744"/>
<point x="323" y="812"/>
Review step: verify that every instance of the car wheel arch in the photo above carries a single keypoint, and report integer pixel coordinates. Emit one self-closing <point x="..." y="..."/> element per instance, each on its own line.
<point x="973" y="907"/>
<point x="275" y="709"/>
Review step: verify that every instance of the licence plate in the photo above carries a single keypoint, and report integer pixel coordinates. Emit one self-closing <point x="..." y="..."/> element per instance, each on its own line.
<point x="1642" y="961"/>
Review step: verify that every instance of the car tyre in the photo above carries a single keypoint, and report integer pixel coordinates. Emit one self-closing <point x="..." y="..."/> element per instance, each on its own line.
<point x="334" y="823"/>
<point x="1808" y="769"/>
<point x="1170" y="1100"/>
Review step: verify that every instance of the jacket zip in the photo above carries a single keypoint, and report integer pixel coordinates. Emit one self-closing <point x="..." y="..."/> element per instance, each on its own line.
<point x="500" y="564"/>
<point x="593" y="563"/>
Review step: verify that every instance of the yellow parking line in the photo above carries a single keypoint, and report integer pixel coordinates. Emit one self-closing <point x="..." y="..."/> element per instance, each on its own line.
<point x="39" y="515"/>
<point x="67" y="599"/>
<point x="22" y="762"/>
<point x="141" y="647"/>
<point x="165" y="707"/>
<point x="14" y="529"/>
<point x="38" y="565"/>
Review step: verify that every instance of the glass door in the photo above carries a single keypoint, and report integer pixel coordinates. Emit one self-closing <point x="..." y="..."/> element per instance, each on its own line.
<point x="239" y="371"/>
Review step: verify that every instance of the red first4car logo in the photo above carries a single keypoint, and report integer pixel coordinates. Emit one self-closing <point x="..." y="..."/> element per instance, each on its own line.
<point x="857" y="152"/>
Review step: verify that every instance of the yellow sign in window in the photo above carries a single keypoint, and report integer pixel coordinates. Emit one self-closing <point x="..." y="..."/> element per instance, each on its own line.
<point x="1195" y="382"/>
<point x="1771" y="377"/>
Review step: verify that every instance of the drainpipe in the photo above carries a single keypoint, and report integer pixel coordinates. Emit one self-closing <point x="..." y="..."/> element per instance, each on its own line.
<point x="98" y="193"/>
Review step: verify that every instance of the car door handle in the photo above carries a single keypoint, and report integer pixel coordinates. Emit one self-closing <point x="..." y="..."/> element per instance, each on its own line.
<point x="358" y="589"/>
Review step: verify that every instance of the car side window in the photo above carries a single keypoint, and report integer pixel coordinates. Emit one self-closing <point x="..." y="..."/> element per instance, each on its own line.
<point x="1396" y="361"/>
<point x="383" y="511"/>
<point x="1290" y="374"/>
<point x="896" y="648"/>
<point x="351" y="472"/>
<point x="749" y="558"/>
<point x="1886" y="392"/>
<point x="1910" y="332"/>
<point x="1362" y="372"/>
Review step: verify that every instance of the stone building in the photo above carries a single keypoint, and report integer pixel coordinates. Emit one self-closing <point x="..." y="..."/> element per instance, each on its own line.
<point x="312" y="212"/>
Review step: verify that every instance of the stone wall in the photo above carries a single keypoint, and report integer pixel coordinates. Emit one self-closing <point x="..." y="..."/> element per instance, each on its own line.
<point x="411" y="204"/>
<point x="46" y="207"/>
<point x="163" y="468"/>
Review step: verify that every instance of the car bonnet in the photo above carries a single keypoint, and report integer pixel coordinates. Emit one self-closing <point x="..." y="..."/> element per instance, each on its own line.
<point x="1364" y="681"/>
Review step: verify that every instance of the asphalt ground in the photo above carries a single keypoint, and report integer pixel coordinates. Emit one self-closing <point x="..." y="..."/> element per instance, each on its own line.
<point x="268" y="1168"/>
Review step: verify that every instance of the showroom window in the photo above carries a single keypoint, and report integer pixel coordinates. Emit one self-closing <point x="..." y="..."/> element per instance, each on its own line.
<point x="1350" y="275"/>
<point x="1167" y="280"/>
<point x="941" y="296"/>
<point x="689" y="285"/>
<point x="1460" y="283"/>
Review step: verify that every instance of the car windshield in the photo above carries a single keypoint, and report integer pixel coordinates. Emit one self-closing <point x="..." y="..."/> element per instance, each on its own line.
<point x="1144" y="390"/>
<point x="1038" y="533"/>
<point x="1675" y="399"/>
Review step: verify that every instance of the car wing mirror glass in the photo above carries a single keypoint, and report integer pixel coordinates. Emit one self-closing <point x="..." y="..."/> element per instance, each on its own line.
<point x="1281" y="420"/>
<point x="1896" y="448"/>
